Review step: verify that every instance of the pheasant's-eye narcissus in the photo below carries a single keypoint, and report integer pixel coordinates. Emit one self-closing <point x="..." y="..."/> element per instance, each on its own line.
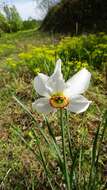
<point x="56" y="93"/>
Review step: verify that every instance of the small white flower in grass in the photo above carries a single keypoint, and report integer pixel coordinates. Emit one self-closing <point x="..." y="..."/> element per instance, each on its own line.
<point x="56" y="93"/>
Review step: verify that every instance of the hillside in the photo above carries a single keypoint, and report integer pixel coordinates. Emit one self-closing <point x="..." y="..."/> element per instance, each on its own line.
<point x="77" y="16"/>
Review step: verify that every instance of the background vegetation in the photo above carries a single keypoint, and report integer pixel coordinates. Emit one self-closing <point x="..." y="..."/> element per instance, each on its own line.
<point x="11" y="21"/>
<point x="77" y="16"/>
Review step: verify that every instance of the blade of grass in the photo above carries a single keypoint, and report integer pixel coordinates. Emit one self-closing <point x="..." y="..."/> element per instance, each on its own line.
<point x="55" y="145"/>
<point x="25" y="142"/>
<point x="44" y="163"/>
<point x="94" y="151"/>
<point x="2" y="183"/>
<point x="104" y="125"/>
<point x="42" y="160"/>
<point x="50" y="129"/>
<point x="83" y="137"/>
<point x="32" y="117"/>
<point x="74" y="163"/>
<point x="41" y="131"/>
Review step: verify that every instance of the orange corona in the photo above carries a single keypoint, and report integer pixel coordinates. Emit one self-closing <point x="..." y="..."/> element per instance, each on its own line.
<point x="59" y="101"/>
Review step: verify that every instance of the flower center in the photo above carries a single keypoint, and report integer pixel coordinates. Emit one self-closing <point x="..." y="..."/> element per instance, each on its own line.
<point x="59" y="100"/>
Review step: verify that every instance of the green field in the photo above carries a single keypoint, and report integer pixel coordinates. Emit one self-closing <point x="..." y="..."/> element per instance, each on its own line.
<point x="22" y="56"/>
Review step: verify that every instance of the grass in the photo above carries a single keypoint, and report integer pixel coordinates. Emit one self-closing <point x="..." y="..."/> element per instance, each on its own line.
<point x="19" y="170"/>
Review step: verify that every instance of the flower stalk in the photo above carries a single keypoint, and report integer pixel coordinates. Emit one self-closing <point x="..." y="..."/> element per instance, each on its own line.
<point x="66" y="174"/>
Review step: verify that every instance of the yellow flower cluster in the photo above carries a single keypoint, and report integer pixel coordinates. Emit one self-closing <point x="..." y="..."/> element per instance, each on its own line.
<point x="75" y="53"/>
<point x="25" y="56"/>
<point x="11" y="62"/>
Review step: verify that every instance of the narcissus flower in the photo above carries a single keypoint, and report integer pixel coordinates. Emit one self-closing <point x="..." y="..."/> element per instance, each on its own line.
<point x="56" y="93"/>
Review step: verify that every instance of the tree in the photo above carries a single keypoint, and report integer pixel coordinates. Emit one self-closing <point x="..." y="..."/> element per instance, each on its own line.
<point x="4" y="26"/>
<point x="68" y="15"/>
<point x="46" y="4"/>
<point x="13" y="18"/>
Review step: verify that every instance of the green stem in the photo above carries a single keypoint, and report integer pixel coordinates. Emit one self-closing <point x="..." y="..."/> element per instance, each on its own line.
<point x="66" y="175"/>
<point x="69" y="136"/>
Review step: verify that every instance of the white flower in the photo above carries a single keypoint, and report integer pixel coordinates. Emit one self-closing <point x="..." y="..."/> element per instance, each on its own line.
<point x="56" y="93"/>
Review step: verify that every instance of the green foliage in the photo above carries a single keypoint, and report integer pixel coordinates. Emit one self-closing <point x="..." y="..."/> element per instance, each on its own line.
<point x="30" y="24"/>
<point x="4" y="25"/>
<point x="6" y="50"/>
<point x="75" y="52"/>
<point x="13" y="18"/>
<point x="10" y="21"/>
<point x="76" y="16"/>
<point x="86" y="49"/>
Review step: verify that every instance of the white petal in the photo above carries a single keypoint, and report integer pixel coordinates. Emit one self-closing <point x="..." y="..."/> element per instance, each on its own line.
<point x="78" y="104"/>
<point x="56" y="81"/>
<point x="42" y="105"/>
<point x="59" y="61"/>
<point x="79" y="83"/>
<point x="40" y="84"/>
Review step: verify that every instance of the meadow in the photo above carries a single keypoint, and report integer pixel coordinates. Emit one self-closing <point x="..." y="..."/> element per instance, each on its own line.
<point x="22" y="56"/>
